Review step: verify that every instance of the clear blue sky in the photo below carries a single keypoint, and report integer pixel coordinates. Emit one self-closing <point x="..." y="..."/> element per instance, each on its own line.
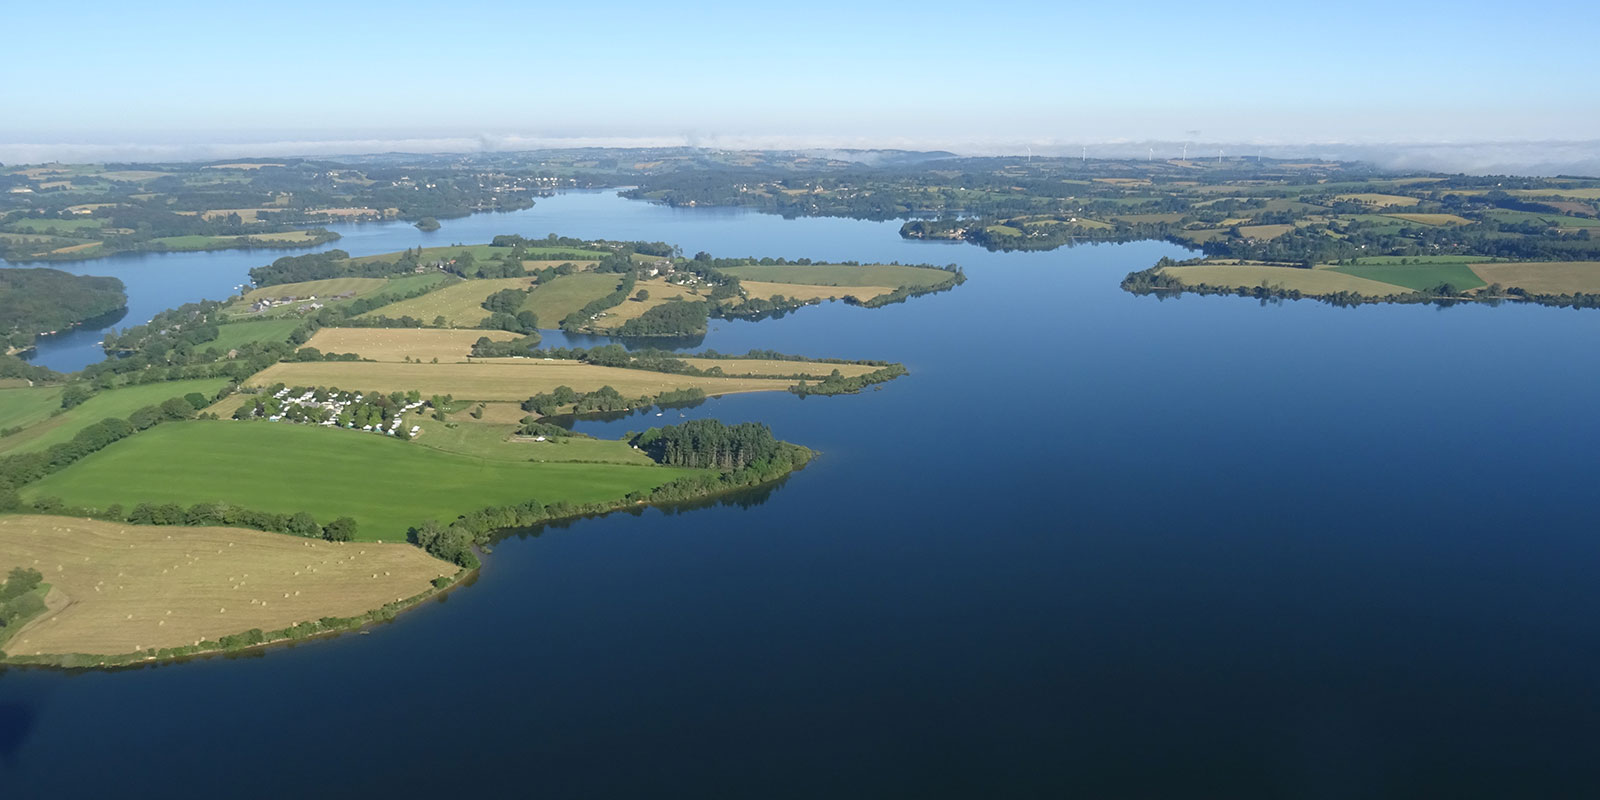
<point x="861" y="72"/>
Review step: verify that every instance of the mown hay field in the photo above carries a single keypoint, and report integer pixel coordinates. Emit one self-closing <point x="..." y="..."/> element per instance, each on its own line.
<point x="510" y="379"/>
<point x="1542" y="277"/>
<point x="124" y="588"/>
<point x="398" y="344"/>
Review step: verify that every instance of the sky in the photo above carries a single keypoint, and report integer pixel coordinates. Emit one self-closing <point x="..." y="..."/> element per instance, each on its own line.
<point x="125" y="80"/>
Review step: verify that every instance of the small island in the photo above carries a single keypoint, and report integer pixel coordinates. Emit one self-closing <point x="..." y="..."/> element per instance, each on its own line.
<point x="427" y="224"/>
<point x="339" y="442"/>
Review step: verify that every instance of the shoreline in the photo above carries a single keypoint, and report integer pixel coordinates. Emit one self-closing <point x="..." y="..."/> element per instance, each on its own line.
<point x="389" y="612"/>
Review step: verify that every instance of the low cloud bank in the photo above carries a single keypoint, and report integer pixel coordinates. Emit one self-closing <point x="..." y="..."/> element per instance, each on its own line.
<point x="1478" y="158"/>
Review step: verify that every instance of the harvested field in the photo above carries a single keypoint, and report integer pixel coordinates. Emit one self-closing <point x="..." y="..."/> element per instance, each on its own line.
<point x="511" y="379"/>
<point x="1308" y="281"/>
<point x="798" y="291"/>
<point x="397" y="344"/>
<point x="123" y="588"/>
<point x="661" y="293"/>
<point x="1544" y="277"/>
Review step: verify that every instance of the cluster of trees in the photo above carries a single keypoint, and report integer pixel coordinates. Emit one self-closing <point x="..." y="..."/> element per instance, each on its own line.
<point x="333" y="264"/>
<point x="709" y="444"/>
<point x="668" y="319"/>
<point x="35" y="301"/>
<point x="18" y="600"/>
<point x="454" y="542"/>
<point x="604" y="398"/>
<point x="837" y="383"/>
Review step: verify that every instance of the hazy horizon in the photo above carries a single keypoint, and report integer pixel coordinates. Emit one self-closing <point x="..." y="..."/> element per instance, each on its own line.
<point x="179" y="81"/>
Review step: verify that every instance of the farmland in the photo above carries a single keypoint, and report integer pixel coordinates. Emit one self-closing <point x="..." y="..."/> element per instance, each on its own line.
<point x="797" y="291"/>
<point x="122" y="588"/>
<point x="461" y="304"/>
<point x="239" y="334"/>
<point x="504" y="379"/>
<point x="874" y="275"/>
<point x="1546" y="277"/>
<point x="399" y="344"/>
<point x="1307" y="281"/>
<point x="24" y="406"/>
<point x="1417" y="277"/>
<point x="117" y="403"/>
<point x="660" y="292"/>
<point x="553" y="301"/>
<point x="385" y="484"/>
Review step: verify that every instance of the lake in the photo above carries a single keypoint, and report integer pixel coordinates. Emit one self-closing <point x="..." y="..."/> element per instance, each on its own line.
<point x="1094" y="545"/>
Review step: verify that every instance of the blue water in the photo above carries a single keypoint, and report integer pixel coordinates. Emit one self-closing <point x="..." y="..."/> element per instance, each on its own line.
<point x="1094" y="545"/>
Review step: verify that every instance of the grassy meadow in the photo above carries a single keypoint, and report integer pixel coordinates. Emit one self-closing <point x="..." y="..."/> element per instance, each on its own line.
<point x="24" y="406"/>
<point x="385" y="484"/>
<point x="117" y="403"/>
<point x="461" y="304"/>
<point x="122" y="588"/>
<point x="553" y="301"/>
<point x="1417" y="277"/>
<point x="239" y="334"/>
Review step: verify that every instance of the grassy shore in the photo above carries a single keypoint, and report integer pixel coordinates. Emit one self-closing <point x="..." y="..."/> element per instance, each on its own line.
<point x="386" y="485"/>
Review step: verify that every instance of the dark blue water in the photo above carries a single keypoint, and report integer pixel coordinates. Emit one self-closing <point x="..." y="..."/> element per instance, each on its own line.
<point x="1094" y="545"/>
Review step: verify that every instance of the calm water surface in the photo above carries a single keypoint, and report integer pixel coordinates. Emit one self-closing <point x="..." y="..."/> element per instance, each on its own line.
<point x="1095" y="545"/>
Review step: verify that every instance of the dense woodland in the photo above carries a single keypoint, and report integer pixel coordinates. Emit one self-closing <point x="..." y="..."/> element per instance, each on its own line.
<point x="39" y="301"/>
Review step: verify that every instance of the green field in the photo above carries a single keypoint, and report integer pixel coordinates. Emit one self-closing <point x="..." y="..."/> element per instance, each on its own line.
<point x="387" y="485"/>
<point x="1420" y="260"/>
<point x="56" y="225"/>
<point x="490" y="440"/>
<point x="22" y="407"/>
<point x="461" y="304"/>
<point x="1559" y="220"/>
<point x="841" y="275"/>
<point x="480" y="253"/>
<point x="117" y="403"/>
<point x="239" y="334"/>
<point x="1422" y="276"/>
<point x="553" y="301"/>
